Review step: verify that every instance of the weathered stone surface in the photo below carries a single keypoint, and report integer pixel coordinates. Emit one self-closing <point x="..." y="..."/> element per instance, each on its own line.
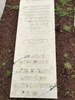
<point x="2" y="6"/>
<point x="34" y="69"/>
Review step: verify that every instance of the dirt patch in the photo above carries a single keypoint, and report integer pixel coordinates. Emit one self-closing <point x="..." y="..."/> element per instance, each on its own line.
<point x="65" y="47"/>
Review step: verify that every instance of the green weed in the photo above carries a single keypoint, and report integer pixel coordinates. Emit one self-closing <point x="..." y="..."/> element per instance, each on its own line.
<point x="65" y="55"/>
<point x="67" y="28"/>
<point x="60" y="11"/>
<point x="64" y="11"/>
<point x="64" y="2"/>
<point x="9" y="51"/>
<point x="73" y="76"/>
<point x="4" y="64"/>
<point x="71" y="94"/>
<point x="8" y="72"/>
<point x="13" y="7"/>
<point x="68" y="65"/>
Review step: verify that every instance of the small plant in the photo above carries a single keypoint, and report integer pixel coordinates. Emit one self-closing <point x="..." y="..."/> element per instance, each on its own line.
<point x="71" y="94"/>
<point x="69" y="9"/>
<point x="13" y="7"/>
<point x="9" y="51"/>
<point x="73" y="76"/>
<point x="64" y="2"/>
<point x="65" y="55"/>
<point x="68" y="65"/>
<point x="8" y="72"/>
<point x="3" y="64"/>
<point x="67" y="28"/>
<point x="60" y="11"/>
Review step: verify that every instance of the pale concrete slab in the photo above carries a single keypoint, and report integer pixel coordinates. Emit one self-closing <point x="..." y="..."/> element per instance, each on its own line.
<point x="34" y="69"/>
<point x="2" y="6"/>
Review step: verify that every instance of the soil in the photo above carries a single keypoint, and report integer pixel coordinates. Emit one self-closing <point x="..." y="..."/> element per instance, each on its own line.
<point x="65" y="44"/>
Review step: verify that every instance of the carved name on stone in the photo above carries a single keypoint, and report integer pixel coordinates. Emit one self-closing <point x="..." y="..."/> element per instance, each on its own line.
<point x="34" y="69"/>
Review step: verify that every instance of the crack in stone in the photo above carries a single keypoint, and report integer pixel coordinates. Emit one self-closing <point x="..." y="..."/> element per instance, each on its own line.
<point x="51" y="88"/>
<point x="19" y="59"/>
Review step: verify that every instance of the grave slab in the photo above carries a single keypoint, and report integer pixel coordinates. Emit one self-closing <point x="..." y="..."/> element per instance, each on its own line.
<point x="34" y="68"/>
<point x="2" y="6"/>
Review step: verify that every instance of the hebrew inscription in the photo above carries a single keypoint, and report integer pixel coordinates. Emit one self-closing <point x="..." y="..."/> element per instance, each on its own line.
<point x="34" y="68"/>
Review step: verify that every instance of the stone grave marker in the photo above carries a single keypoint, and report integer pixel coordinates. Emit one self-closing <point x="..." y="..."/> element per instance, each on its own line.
<point x="2" y="6"/>
<point x="74" y="10"/>
<point x="34" y="68"/>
